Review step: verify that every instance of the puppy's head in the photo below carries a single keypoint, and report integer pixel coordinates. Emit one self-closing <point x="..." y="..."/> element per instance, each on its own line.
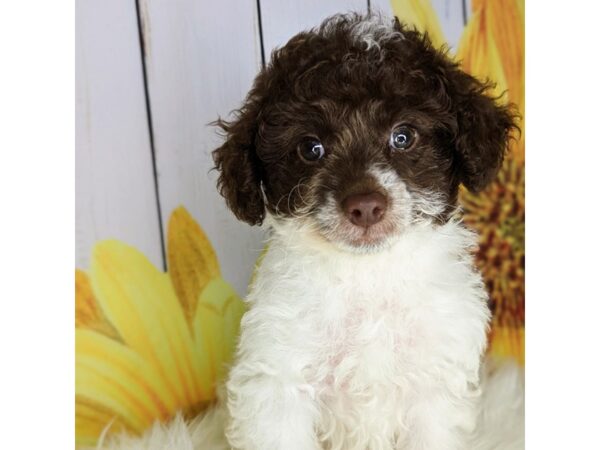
<point x="357" y="130"/>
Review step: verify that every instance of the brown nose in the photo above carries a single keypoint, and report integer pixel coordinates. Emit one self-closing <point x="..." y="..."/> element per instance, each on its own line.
<point x="365" y="210"/>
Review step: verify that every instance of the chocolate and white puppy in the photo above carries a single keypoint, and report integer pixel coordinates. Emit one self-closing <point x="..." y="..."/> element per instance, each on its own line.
<point x="367" y="319"/>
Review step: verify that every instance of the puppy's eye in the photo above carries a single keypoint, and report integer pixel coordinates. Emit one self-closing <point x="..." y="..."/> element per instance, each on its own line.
<point x="402" y="138"/>
<point x="311" y="150"/>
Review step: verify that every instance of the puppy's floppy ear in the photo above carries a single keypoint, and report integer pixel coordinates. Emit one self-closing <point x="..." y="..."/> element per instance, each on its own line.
<point x="240" y="169"/>
<point x="483" y="129"/>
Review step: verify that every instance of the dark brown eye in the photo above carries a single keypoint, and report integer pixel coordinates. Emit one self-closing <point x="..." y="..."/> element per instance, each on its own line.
<point x="402" y="138"/>
<point x="311" y="150"/>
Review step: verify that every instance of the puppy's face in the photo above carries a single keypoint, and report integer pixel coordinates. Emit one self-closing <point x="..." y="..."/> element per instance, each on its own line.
<point x="356" y="170"/>
<point x="357" y="130"/>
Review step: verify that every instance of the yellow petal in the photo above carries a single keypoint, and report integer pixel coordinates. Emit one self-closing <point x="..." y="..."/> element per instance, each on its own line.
<point x="115" y="378"/>
<point x="507" y="30"/>
<point x="216" y="325"/>
<point x="91" y="419"/>
<point x="492" y="47"/>
<point x="476" y="5"/>
<point x="87" y="312"/>
<point x="191" y="259"/>
<point x="508" y="341"/>
<point x="479" y="55"/>
<point x="421" y="14"/>
<point x="141" y="304"/>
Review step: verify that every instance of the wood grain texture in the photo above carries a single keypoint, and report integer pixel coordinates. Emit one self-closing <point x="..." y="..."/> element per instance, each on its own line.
<point x="281" y="19"/>
<point x="450" y="15"/>
<point x="201" y="59"/>
<point x="115" y="196"/>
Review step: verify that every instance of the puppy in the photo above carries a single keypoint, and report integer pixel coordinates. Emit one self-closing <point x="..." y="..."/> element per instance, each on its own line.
<point x="367" y="319"/>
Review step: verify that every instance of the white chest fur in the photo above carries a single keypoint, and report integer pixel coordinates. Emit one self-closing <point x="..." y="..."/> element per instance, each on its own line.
<point x="358" y="350"/>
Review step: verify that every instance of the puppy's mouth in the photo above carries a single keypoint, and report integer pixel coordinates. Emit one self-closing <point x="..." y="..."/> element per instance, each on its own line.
<point x="360" y="223"/>
<point x="373" y="237"/>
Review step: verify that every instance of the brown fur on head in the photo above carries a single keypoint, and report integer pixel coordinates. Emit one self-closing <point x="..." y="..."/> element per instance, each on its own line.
<point x="348" y="85"/>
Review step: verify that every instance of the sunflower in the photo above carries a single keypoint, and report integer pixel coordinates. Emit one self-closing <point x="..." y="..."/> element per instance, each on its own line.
<point x="492" y="48"/>
<point x="150" y="344"/>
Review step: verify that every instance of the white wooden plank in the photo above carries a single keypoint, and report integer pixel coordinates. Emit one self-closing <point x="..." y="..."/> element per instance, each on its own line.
<point x="201" y="57"/>
<point x="281" y="19"/>
<point x="450" y="15"/>
<point x="115" y="196"/>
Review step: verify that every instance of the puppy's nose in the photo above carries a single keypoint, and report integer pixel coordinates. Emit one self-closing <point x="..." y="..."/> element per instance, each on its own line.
<point x="365" y="210"/>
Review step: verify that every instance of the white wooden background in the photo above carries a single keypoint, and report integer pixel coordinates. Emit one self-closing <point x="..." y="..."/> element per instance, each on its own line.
<point x="150" y="76"/>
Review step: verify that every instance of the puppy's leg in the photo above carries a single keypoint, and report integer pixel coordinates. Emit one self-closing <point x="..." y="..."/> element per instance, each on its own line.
<point x="269" y="410"/>
<point x="440" y="421"/>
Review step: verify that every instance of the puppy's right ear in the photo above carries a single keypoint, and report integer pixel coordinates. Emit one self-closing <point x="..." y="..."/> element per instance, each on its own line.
<point x="240" y="170"/>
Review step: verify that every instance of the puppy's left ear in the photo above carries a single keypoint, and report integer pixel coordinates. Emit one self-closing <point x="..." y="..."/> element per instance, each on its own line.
<point x="483" y="131"/>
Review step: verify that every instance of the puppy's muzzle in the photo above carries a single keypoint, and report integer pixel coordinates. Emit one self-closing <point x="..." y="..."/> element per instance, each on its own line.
<point x="365" y="210"/>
